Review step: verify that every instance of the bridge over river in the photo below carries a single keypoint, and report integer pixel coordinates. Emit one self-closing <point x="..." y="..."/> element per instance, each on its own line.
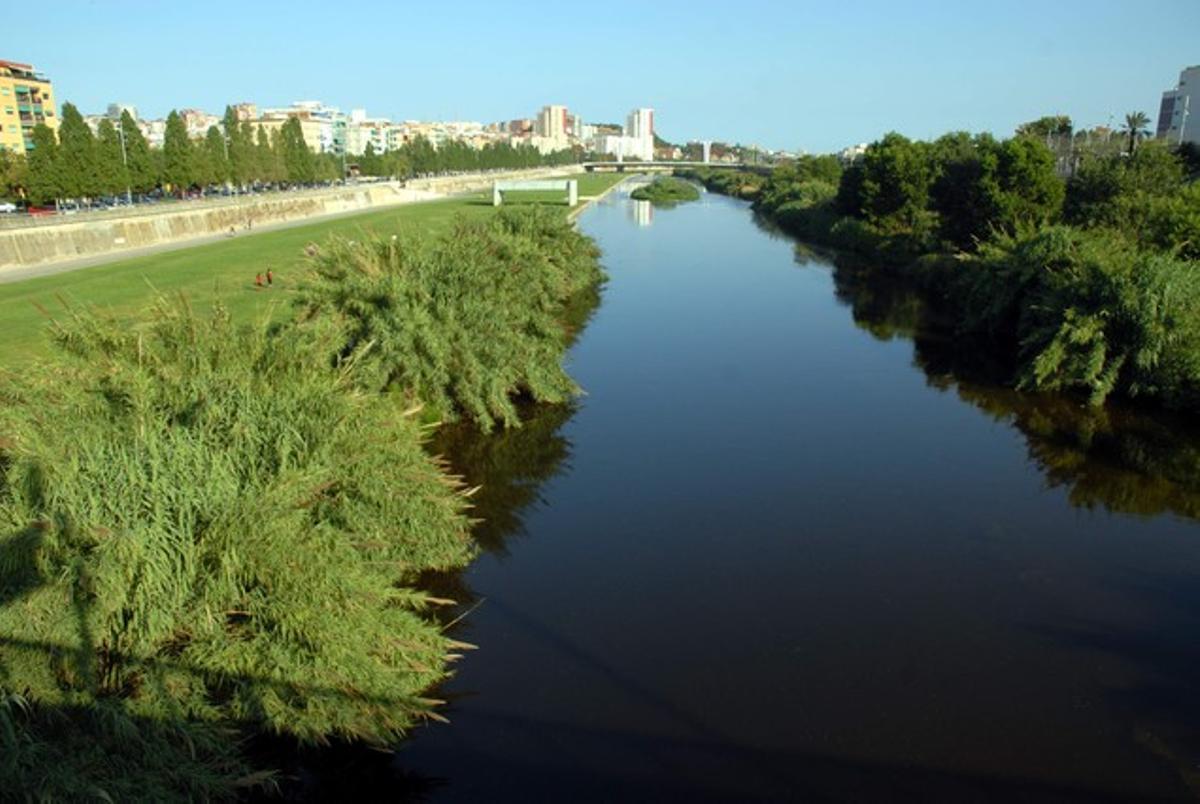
<point x="622" y="167"/>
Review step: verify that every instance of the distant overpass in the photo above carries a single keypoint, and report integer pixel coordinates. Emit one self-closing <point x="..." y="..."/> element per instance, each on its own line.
<point x="623" y="167"/>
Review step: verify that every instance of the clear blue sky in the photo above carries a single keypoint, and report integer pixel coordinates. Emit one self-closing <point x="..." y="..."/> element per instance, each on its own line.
<point x="784" y="74"/>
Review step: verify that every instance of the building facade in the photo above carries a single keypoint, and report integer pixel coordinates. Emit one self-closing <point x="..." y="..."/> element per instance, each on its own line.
<point x="552" y="123"/>
<point x="1177" y="122"/>
<point x="115" y="111"/>
<point x="26" y="99"/>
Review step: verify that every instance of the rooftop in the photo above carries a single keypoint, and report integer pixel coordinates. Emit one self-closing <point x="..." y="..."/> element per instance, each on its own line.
<point x="20" y="70"/>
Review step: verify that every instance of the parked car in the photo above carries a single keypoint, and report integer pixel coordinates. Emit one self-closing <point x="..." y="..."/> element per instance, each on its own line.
<point x="7" y="206"/>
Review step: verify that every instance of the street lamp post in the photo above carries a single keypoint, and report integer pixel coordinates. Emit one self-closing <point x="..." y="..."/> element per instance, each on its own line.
<point x="225" y="146"/>
<point x="125" y="162"/>
<point x="1183" y="119"/>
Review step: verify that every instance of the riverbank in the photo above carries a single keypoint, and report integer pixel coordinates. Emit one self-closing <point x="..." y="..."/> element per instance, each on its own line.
<point x="28" y="242"/>
<point x="1067" y="294"/>
<point x="224" y="269"/>
<point x="289" y="479"/>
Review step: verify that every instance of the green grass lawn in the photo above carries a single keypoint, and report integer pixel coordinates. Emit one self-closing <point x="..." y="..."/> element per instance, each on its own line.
<point x="223" y="270"/>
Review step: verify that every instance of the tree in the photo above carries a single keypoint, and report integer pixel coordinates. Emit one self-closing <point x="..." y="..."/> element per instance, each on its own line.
<point x="276" y="167"/>
<point x="240" y="148"/>
<point x="966" y="193"/>
<point x="45" y="183"/>
<point x="253" y="164"/>
<point x="14" y="174"/>
<point x="297" y="157"/>
<point x="370" y="163"/>
<point x="1049" y="126"/>
<point x="1032" y="192"/>
<point x="112" y="176"/>
<point x="216" y="163"/>
<point x="1135" y="126"/>
<point x="896" y="181"/>
<point x="77" y="156"/>
<point x="178" y="160"/>
<point x="143" y="173"/>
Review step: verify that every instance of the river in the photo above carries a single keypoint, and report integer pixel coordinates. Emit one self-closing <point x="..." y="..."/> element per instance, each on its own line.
<point x="782" y="550"/>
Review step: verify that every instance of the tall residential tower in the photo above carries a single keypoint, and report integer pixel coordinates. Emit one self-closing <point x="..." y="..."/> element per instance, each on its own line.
<point x="1179" y="114"/>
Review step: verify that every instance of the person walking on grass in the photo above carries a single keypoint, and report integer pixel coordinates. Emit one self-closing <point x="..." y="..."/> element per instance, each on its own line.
<point x="258" y="280"/>
<point x="270" y="278"/>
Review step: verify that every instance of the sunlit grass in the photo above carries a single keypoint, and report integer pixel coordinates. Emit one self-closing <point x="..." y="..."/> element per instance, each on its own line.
<point x="224" y="270"/>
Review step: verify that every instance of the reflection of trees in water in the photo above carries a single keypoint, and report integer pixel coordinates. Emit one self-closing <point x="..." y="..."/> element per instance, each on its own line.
<point x="509" y="467"/>
<point x="1110" y="457"/>
<point x="1115" y="456"/>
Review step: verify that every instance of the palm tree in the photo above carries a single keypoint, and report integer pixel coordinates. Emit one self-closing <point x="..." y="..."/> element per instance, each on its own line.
<point x="1135" y="124"/>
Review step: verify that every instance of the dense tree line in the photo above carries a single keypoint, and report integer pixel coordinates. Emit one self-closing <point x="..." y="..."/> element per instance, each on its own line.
<point x="1086" y="283"/>
<point x="79" y="164"/>
<point x="211" y="530"/>
<point x="419" y="157"/>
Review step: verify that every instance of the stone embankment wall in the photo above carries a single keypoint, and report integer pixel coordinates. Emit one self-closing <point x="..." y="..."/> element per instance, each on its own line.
<point x="45" y="241"/>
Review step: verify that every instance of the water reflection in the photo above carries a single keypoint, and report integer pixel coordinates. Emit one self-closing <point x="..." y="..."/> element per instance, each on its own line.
<point x="509" y="468"/>
<point x="641" y="212"/>
<point x="1115" y="457"/>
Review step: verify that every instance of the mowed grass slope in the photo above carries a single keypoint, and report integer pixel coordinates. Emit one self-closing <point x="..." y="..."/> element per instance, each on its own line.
<point x="223" y="270"/>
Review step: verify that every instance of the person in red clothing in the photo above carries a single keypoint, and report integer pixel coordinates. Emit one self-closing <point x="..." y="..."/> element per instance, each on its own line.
<point x="270" y="277"/>
<point x="258" y="280"/>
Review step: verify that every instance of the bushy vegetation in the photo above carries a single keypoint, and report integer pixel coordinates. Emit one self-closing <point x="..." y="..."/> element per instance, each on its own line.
<point x="1089" y="283"/>
<point x="210" y="530"/>
<point x="737" y="183"/>
<point x="465" y="322"/>
<point x="666" y="191"/>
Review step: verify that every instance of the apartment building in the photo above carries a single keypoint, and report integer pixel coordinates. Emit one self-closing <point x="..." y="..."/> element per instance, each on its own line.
<point x="26" y="99"/>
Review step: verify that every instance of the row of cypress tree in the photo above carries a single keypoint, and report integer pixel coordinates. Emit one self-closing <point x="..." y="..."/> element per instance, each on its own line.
<point x="80" y="164"/>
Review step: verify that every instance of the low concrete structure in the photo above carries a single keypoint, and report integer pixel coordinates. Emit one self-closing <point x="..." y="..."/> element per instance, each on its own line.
<point x="82" y="236"/>
<point x="570" y="186"/>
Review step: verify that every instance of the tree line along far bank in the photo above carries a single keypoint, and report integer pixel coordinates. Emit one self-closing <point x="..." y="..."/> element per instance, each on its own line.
<point x="1087" y="283"/>
<point x="79" y="164"/>
<point x="211" y="530"/>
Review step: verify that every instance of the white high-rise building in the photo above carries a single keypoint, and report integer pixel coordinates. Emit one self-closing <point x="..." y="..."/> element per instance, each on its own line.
<point x="639" y="128"/>
<point x="1179" y="114"/>
<point x="640" y="124"/>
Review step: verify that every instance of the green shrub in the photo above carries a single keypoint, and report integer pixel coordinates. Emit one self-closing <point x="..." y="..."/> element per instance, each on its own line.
<point x="1090" y="312"/>
<point x="466" y="322"/>
<point x="666" y="191"/>
<point x="201" y="530"/>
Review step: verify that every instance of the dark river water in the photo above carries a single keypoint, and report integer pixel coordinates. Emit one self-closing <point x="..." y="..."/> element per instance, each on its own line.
<point x="783" y="551"/>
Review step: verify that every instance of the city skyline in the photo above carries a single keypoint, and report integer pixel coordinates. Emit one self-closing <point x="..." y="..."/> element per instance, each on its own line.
<point x="783" y="78"/>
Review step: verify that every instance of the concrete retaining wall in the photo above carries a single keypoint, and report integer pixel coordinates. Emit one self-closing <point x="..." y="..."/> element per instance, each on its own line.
<point x="74" y="238"/>
<point x="80" y="236"/>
